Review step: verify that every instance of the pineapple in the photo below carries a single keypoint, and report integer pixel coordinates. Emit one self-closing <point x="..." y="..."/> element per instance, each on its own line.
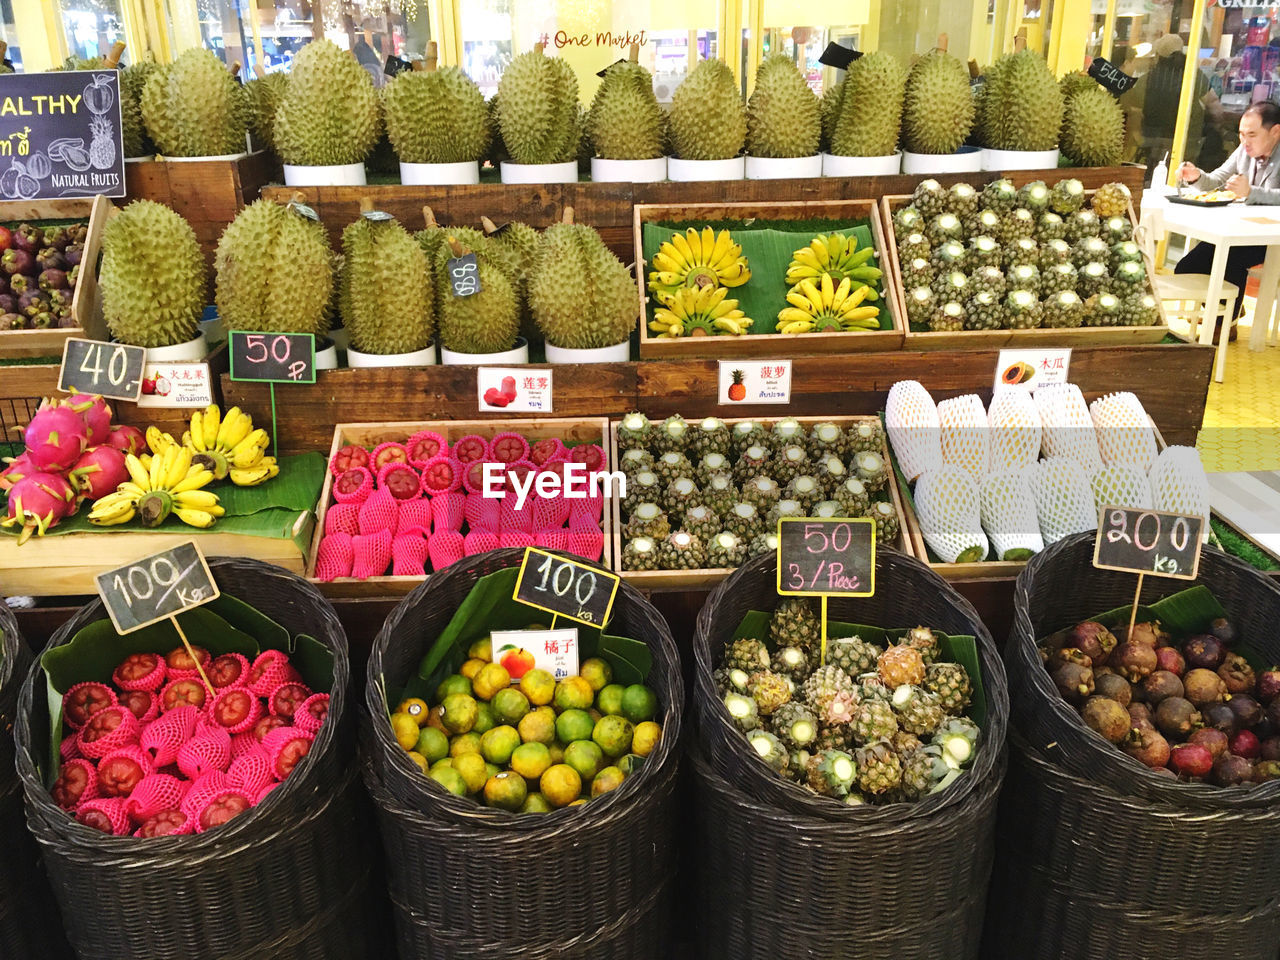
<point x="710" y="436"/>
<point x="1053" y="252"/>
<point x="681" y="494"/>
<point x="647" y="520"/>
<point x="1124" y="252"/>
<point x="831" y="773"/>
<point x="831" y="474"/>
<point x="770" y="749"/>
<point x="640" y="553"/>
<point x="944" y="227"/>
<point x="769" y="690"/>
<point x="1130" y="276"/>
<point x="879" y="769"/>
<point x="985" y="312"/>
<point x="726" y="550"/>
<point x="747" y="654"/>
<point x="926" y="641"/>
<point x="1081" y="224"/>
<point x="989" y="279"/>
<point x="1140" y="310"/>
<point x="1103" y="310"/>
<point x="948" y="318"/>
<point x="794" y="623"/>
<point x="1050" y="227"/>
<point x="1066" y="197"/>
<point x="1091" y="250"/>
<point x="793" y="662"/>
<point x="840" y="710"/>
<point x="874" y="720"/>
<point x="1063" y="309"/>
<point x="781" y="509"/>
<point x="710" y="465"/>
<point x="984" y="251"/>
<point x="795" y="725"/>
<point x="1059" y="278"/>
<point x="953" y="285"/>
<point x="730" y="680"/>
<point x="917" y="772"/>
<point x="903" y="741"/>
<point x="753" y="461"/>
<point x="1034" y="196"/>
<point x="1111" y="200"/>
<point x="743" y="712"/>
<point x="914" y="246"/>
<point x="869" y="467"/>
<point x="1025" y="276"/>
<point x="958" y="738"/>
<point x="1094" y="278"/>
<point x="761" y="491"/>
<point x="908" y="219"/>
<point x="634" y="430"/>
<point x="834" y="738"/>
<point x="866" y="434"/>
<point x="917" y="272"/>
<point x="918" y="711"/>
<point x="644" y="487"/>
<point x="826" y="439"/>
<point x="747" y="433"/>
<point x="1117" y="229"/>
<point x="744" y="520"/>
<point x="1000" y="195"/>
<point x="949" y="682"/>
<point x="949" y="256"/>
<point x="853" y="655"/>
<point x="821" y="687"/>
<point x="671" y="434"/>
<point x="825" y="509"/>
<point x="886" y="518"/>
<point x="720" y="494"/>
<point x="963" y="200"/>
<point x="702" y="522"/>
<point x="762" y="544"/>
<point x="930" y="199"/>
<point x="790" y="462"/>
<point x="920" y="305"/>
<point x="1022" y="310"/>
<point x="1020" y="223"/>
<point x="853" y="497"/>
<point x="682" y="551"/>
<point x="635" y="461"/>
<point x="787" y="431"/>
<point x="805" y="489"/>
<point x="1023" y="250"/>
<point x="871" y="687"/>
<point x="901" y="664"/>
<point x="672" y="464"/>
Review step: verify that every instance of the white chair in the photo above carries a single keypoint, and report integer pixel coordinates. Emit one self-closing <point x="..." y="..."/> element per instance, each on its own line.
<point x="1270" y="323"/>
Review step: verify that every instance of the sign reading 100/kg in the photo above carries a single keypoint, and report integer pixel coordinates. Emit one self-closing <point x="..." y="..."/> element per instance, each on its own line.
<point x="826" y="557"/>
<point x="111" y="370"/>
<point x="156" y="587"/>
<point x="566" y="588"/>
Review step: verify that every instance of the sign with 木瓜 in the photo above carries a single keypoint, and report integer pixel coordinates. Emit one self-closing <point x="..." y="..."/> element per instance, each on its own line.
<point x="60" y="135"/>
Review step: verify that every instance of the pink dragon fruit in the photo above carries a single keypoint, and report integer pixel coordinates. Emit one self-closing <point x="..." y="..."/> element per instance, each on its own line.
<point x="55" y="438"/>
<point x="96" y="414"/>
<point x="18" y="468"/>
<point x="38" y="502"/>
<point x="98" y="472"/>
<point x="129" y="439"/>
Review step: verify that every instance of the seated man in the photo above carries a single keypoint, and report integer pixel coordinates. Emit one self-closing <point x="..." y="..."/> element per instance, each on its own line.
<point x="1251" y="172"/>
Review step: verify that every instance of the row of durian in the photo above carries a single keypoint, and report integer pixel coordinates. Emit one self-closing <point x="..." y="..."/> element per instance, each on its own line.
<point x="276" y="272"/>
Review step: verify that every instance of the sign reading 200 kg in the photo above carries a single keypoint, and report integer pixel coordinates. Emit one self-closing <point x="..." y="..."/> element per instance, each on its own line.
<point x="60" y="135"/>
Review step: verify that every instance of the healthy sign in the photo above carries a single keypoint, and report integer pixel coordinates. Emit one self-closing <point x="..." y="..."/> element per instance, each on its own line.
<point x="60" y="135"/>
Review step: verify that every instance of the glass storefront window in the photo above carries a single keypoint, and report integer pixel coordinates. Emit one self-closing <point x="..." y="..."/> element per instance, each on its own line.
<point x="9" y="34"/>
<point x="92" y="26"/>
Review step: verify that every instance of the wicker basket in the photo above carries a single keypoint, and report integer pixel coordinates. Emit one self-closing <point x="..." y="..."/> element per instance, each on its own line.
<point x="1087" y="873"/>
<point x="906" y="590"/>
<point x="774" y="886"/>
<point x="579" y="882"/>
<point x="1042" y="605"/>
<point x="266" y="884"/>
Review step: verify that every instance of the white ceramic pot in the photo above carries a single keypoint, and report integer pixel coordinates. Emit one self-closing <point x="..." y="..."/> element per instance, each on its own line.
<point x="783" y="168"/>
<point x="653" y="170"/>
<point x="334" y="175"/>
<point x="326" y="356"/>
<point x="618" y="353"/>
<point x="341" y="338"/>
<point x="439" y="174"/>
<point x="966" y="160"/>
<point x="834" y="165"/>
<point x="520" y="354"/>
<point x="425" y="357"/>
<point x="189" y="352"/>
<point x="221" y="156"/>
<point x="143" y="159"/>
<point x="566" y="172"/>
<point x="1019" y="159"/>
<point x="687" y="171"/>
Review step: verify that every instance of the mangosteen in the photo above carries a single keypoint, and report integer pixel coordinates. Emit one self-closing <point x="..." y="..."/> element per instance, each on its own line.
<point x="4" y="282"/>
<point x="1273" y="714"/>
<point x="33" y="302"/>
<point x="73" y="276"/>
<point x="53" y="279"/>
<point x="1069" y="655"/>
<point x="1269" y="684"/>
<point x="1245" y="744"/>
<point x="13" y="321"/>
<point x="73" y="254"/>
<point x="1265" y="770"/>
<point x="1230" y="771"/>
<point x="1165" y="772"/>
<point x="1237" y="674"/>
<point x="1171" y="659"/>
<point x="56" y="237"/>
<point x="1133" y="660"/>
<point x="1149" y="633"/>
<point x="1270" y="748"/>
<point x="78" y="232"/>
<point x="1191" y="761"/>
<point x="21" y="283"/>
<point x="1107" y="718"/>
<point x="1094" y="639"/>
<point x="42" y="320"/>
<point x="1202" y="686"/>
<point x="49" y="258"/>
<point x="67" y="320"/>
<point x="62" y="298"/>
<point x="1161" y="685"/>
<point x="15" y="261"/>
<point x="1219" y="716"/>
<point x="1102" y="671"/>
<point x="8" y="303"/>
<point x="1214" y="740"/>
<point x="1139" y="712"/>
<point x="1175" y="717"/>
<point x="1205" y="651"/>
<point x="1074" y="682"/>
<point x="28" y="237"/>
<point x="1113" y="687"/>
<point x="1248" y="711"/>
<point x="1224" y="630"/>
<point x="1148" y="747"/>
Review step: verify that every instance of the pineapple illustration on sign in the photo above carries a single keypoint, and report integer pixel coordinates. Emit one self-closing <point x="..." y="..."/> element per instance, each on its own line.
<point x="736" y="389"/>
<point x="98" y="99"/>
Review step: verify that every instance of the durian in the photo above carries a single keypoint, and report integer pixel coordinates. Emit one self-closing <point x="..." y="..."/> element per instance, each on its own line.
<point x="1021" y="104"/>
<point x="707" y="120"/>
<point x="950" y="513"/>
<point x="485" y="322"/>
<point x="538" y="109"/>
<point x="782" y="113"/>
<point x="133" y="78"/>
<point x="436" y="116"/>
<point x="193" y="107"/>
<point x="152" y="277"/>
<point x="1009" y="515"/>
<point x="937" y="109"/>
<point x="1092" y="128"/>
<point x="264" y="94"/>
<point x="329" y="115"/>
<point x="386" y="288"/>
<point x="625" y="121"/>
<point x="580" y="294"/>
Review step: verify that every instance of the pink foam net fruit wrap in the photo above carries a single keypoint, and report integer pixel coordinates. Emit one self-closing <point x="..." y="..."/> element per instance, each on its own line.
<point x="286" y="746"/>
<point x="400" y="480"/>
<point x="251" y="771"/>
<point x="200" y="755"/>
<point x="553" y="540"/>
<point x="447" y="512"/>
<point x="509" y="447"/>
<point x="98" y="738"/>
<point x="166" y="823"/>
<point x="163" y="736"/>
<point x="470" y="449"/>
<point x="408" y="555"/>
<point x="312" y="713"/>
<point x="473" y="477"/>
<point x="511" y="517"/>
<point x="187" y="691"/>
<point x="82" y="700"/>
<point x="547" y="450"/>
<point x="586" y="542"/>
<point x="384" y="453"/>
<point x="515" y="538"/>
<point x="286" y="698"/>
<point x="154" y="793"/>
<point x="236" y="709"/>
<point x="140" y="671"/>
<point x="445" y="548"/>
<point x="424" y="445"/>
<point x="414" y="517"/>
<point x="379" y="512"/>
<point x="204" y="789"/>
<point x="353" y="486"/>
<point x="145" y="706"/>
<point x="550" y="514"/>
<point x="336" y="556"/>
<point x="587" y="508"/>
<point x="75" y="774"/>
<point x="372" y="555"/>
<point x="342" y="518"/>
<point x="479" y="541"/>
<point x="120" y="771"/>
<point x="482" y="513"/>
<point x="346" y="458"/>
<point x="270" y="669"/>
<point x="441" y="475"/>
<point x="227" y="805"/>
<point x="105" y="814"/>
<point x="589" y="454"/>
<point x="185" y="673"/>
<point x="228" y="670"/>
<point x="69" y="748"/>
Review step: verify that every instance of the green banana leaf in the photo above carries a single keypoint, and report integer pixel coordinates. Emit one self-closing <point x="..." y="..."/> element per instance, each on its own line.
<point x="958" y="649"/>
<point x="768" y="245"/>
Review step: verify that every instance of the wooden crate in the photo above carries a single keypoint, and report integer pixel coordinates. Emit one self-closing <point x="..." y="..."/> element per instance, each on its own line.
<point x="761" y="345"/>
<point x="369" y="435"/>
<point x="86" y="305"/>
<point x="708" y="577"/>
<point x="994" y="339"/>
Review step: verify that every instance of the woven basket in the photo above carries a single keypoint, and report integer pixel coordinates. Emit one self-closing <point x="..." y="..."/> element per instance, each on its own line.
<point x="253" y="888"/>
<point x="581" y="882"/>
<point x="1059" y="588"/>
<point x="774" y="886"/>
<point x="1087" y="873"/>
<point x="907" y="593"/>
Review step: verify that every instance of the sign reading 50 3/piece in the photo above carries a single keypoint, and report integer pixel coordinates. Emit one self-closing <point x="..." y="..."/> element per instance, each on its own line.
<point x="60" y="135"/>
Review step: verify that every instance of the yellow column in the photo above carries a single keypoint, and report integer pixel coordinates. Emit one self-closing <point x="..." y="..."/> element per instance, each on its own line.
<point x="730" y="36"/>
<point x="186" y="27"/>
<point x="1188" y="91"/>
<point x="38" y="26"/>
<point x="755" y="42"/>
<point x="869" y="35"/>
<point x="1109" y="31"/>
<point x="259" y="51"/>
<point x="1072" y="20"/>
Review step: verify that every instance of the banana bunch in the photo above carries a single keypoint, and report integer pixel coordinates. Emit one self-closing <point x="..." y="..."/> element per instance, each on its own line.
<point x="170" y="484"/>
<point x="824" y="307"/>
<point x="228" y="447"/>
<point x="837" y="256"/>
<point x="693" y="259"/>
<point x="698" y="312"/>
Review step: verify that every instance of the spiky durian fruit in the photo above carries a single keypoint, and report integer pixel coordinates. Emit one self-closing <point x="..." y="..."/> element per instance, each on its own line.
<point x="1021" y="104"/>
<point x="329" y="115"/>
<point x="937" y="109"/>
<point x="133" y="78"/>
<point x="152" y="277"/>
<point x="707" y="120"/>
<point x="1093" y="128"/>
<point x="950" y="513"/>
<point x="264" y="94"/>
<point x="386" y="288"/>
<point x="274" y="271"/>
<point x="537" y="109"/>
<point x="193" y="107"/>
<point x="580" y="294"/>
<point x="870" y="114"/>
<point x="436" y="116"/>
<point x="829" y="109"/>
<point x="625" y="121"/>
<point x="782" y="113"/>
<point x="485" y="322"/>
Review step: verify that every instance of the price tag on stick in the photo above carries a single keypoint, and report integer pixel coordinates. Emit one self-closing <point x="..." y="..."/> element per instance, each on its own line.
<point x="823" y="558"/>
<point x="113" y="370"/>
<point x="273" y="357"/>
<point x="565" y="587"/>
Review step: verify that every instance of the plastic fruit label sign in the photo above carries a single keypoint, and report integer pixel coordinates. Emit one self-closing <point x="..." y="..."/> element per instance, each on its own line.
<point x="566" y="587"/>
<point x="1031" y="369"/>
<point x="176" y="385"/>
<point x="828" y="557"/>
<point x="273" y="357"/>
<point x="156" y="587"/>
<point x="754" y="381"/>
<point x="514" y="389"/>
<point x="519" y="651"/>
<point x="1148" y="542"/>
<point x="112" y="370"/>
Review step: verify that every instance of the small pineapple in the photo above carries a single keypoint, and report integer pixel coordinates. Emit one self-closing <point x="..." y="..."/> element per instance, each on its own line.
<point x="871" y="687"/>
<point x="793" y="662"/>
<point x="799" y="768"/>
<point x="948" y="318"/>
<point x="831" y="474"/>
<point x="901" y="664"/>
<point x="907" y="219"/>
<point x="1103" y="310"/>
<point x="1050" y="227"/>
<point x="730" y="680"/>
<point x="761" y="491"/>
<point x="1117" y="229"/>
<point x="831" y="773"/>
<point x="1025" y="276"/>
<point x="747" y="433"/>
<point x="781" y="509"/>
<point x="769" y="690"/>
<point x="671" y="434"/>
<point x="1066" y="197"/>
<point x="787" y="431"/>
<point x="681" y="494"/>
<point x="853" y="497"/>
<point x="950" y="683"/>
<point x="635" y="460"/>
<point x="647" y="520"/>
<point x="926" y="641"/>
<point x="790" y="462"/>
<point x="887" y="523"/>
<point x="763" y="544"/>
<point x="914" y="245"/>
<point x="826" y="439"/>
<point x="984" y="251"/>
<point x="989" y="279"/>
<point x="1094" y="278"/>
<point x="944" y="227"/>
<point x="1059" y="278"/>
<point x="770" y="749"/>
<point x="1034" y="196"/>
<point x="920" y="305"/>
<point x="825" y="509"/>
<point x="805" y="489"/>
<point x="953" y="285"/>
<point x="963" y="200"/>
<point x="917" y="773"/>
<point x="958" y="738"/>
<point x="1081" y="224"/>
<point x="720" y="494"/>
<point x="672" y="464"/>
<point x="1022" y="310"/>
<point x="1091" y="250"/>
<point x="1130" y="275"/>
<point x="1019" y="223"/>
<point x="710" y="465"/>
<point x="985" y="312"/>
<point x="1112" y="200"/>
<point x="795" y="725"/>
<point x="874" y="720"/>
<point x="743" y="712"/>
<point x="1124" y="252"/>
<point x="853" y="655"/>
<point x="702" y="522"/>
<point x="840" y="711"/>
<point x="794" y="623"/>
<point x="682" y="551"/>
<point x="726" y="550"/>
<point x="1000" y="195"/>
<point x="744" y="520"/>
<point x="711" y="435"/>
<point x="917" y="272"/>
<point x="1024" y="250"/>
<point x="1054" y="252"/>
<point x="747" y="654"/>
<point x="822" y="685"/>
<point x="640" y="553"/>
<point x="930" y="198"/>
<point x="918" y="711"/>
<point x="753" y="461"/>
<point x="644" y="487"/>
<point x="903" y="741"/>
<point x="634" y="430"/>
<point x="1141" y="311"/>
<point x="879" y="769"/>
<point x="949" y="256"/>
<point x="834" y="738"/>
<point x="869" y="467"/>
<point x="1063" y="310"/>
<point x="866" y="434"/>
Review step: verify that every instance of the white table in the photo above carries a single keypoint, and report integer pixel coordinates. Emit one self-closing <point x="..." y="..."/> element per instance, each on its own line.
<point x="1239" y="225"/>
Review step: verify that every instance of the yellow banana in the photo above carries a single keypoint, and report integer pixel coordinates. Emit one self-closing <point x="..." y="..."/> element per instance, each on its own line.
<point x="212" y="425"/>
<point x="707" y="248"/>
<point x="158" y="440"/>
<point x="194" y="518"/>
<point x="136" y="472"/>
<point x="697" y="258"/>
<point x="194" y="437"/>
<point x="197" y="499"/>
<point x="681" y="244"/>
<point x="721" y="247"/>
<point x="196" y="478"/>
<point x="264" y="470"/>
<point x="820" y="251"/>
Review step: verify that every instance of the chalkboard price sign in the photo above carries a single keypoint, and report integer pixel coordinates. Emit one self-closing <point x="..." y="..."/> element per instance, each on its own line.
<point x="464" y="275"/>
<point x="156" y="587"/>
<point x="1110" y="76"/>
<point x="1148" y="542"/>
<point x="564" y="587"/>
<point x="112" y="370"/>
<point x="273" y="357"/>
<point x="826" y="557"/>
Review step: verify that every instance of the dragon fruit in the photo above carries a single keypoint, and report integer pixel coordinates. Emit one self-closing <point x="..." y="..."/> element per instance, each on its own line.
<point x="55" y="438"/>
<point x="38" y="502"/>
<point x="96" y="414"/>
<point x="98" y="472"/>
<point x="129" y="439"/>
<point x="18" y="467"/>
